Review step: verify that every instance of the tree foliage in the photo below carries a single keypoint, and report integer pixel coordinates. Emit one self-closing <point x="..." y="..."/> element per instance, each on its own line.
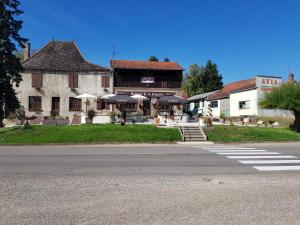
<point x="287" y="97"/>
<point x="10" y="65"/>
<point x="166" y="59"/>
<point x="153" y="58"/>
<point x="203" y="79"/>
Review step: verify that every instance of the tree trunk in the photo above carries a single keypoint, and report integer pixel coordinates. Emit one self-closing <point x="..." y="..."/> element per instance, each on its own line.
<point x="297" y="121"/>
<point x="1" y="109"/>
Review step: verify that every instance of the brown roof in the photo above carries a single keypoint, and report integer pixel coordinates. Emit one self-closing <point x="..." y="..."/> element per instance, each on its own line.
<point x="60" y="56"/>
<point x="149" y="65"/>
<point x="233" y="87"/>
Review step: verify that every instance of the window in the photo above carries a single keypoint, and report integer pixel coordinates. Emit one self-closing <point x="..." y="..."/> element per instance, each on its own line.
<point x="244" y="104"/>
<point x="73" y="81"/>
<point x="37" y="80"/>
<point x="35" y="103"/>
<point x="105" y="82"/>
<point x="74" y="104"/>
<point x="213" y="104"/>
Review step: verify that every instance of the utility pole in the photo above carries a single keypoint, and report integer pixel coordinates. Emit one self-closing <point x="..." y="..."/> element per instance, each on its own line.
<point x="114" y="52"/>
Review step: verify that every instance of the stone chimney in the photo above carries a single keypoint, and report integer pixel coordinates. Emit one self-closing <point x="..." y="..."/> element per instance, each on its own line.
<point x="26" y="51"/>
<point x="292" y="78"/>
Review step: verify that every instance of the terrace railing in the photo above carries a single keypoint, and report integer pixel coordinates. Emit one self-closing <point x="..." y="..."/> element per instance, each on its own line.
<point x="159" y="84"/>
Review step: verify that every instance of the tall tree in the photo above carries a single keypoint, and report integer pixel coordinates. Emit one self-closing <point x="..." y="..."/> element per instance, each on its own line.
<point x="10" y="65"/>
<point x="203" y="79"/>
<point x="287" y="97"/>
<point x="153" y="58"/>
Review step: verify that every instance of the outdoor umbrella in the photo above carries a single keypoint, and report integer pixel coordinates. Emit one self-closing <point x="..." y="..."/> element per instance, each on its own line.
<point x="86" y="96"/>
<point x="121" y="99"/>
<point x="107" y="96"/>
<point x="137" y="96"/>
<point x="171" y="100"/>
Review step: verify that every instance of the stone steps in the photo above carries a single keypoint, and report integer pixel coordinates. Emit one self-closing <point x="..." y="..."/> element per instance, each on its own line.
<point x="193" y="134"/>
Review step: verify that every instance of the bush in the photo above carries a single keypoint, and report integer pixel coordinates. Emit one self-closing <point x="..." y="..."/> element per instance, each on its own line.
<point x="91" y="114"/>
<point x="112" y="116"/>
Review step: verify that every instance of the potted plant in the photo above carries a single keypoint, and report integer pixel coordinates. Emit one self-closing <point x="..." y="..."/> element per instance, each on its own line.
<point x="222" y="118"/>
<point x="91" y="113"/>
<point x="112" y="116"/>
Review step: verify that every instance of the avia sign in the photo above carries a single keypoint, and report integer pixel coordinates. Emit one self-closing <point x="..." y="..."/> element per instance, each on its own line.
<point x="268" y="82"/>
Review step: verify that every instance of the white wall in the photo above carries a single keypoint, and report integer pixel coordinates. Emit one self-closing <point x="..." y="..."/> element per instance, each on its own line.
<point x="57" y="85"/>
<point x="235" y="98"/>
<point x="215" y="111"/>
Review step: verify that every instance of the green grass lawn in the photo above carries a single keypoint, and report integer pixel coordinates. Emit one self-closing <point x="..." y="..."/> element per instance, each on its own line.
<point x="250" y="134"/>
<point x="88" y="134"/>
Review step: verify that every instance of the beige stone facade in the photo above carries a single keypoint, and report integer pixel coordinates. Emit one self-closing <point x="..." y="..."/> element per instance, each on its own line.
<point x="56" y="85"/>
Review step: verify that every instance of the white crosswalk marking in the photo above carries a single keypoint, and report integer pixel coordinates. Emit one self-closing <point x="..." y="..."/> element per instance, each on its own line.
<point x="253" y="157"/>
<point x="248" y="153"/>
<point x="262" y="157"/>
<point x="269" y="161"/>
<point x="276" y="168"/>
<point x="236" y="151"/>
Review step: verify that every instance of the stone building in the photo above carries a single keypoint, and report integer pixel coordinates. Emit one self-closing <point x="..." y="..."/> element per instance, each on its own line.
<point x="55" y="75"/>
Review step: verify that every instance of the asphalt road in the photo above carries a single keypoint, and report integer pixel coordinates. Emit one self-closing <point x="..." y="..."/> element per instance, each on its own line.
<point x="146" y="184"/>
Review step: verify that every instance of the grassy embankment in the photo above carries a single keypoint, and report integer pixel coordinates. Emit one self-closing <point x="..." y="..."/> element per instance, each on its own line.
<point x="250" y="134"/>
<point x="108" y="133"/>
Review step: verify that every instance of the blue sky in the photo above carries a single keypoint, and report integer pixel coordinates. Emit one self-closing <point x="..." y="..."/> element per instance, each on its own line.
<point x="244" y="37"/>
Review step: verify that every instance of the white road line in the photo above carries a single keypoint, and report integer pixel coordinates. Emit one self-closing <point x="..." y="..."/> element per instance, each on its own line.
<point x="263" y="157"/>
<point x="276" y="168"/>
<point x="237" y="151"/>
<point x="241" y="148"/>
<point x="248" y="153"/>
<point x="268" y="161"/>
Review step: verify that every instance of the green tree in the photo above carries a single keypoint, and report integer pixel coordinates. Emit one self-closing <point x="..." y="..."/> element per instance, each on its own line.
<point x="287" y="97"/>
<point x="203" y="79"/>
<point x="166" y="60"/>
<point x="10" y="65"/>
<point x="153" y="58"/>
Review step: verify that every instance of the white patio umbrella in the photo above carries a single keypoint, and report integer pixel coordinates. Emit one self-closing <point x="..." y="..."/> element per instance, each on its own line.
<point x="137" y="96"/>
<point x="86" y="96"/>
<point x="107" y="96"/>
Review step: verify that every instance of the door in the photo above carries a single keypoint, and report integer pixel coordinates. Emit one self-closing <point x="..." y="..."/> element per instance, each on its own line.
<point x="55" y="105"/>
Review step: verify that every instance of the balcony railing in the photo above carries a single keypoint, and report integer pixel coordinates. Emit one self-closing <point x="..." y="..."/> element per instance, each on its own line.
<point x="159" y="84"/>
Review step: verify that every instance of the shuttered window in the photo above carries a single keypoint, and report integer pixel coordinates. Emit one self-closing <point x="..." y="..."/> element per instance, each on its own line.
<point x="35" y="103"/>
<point x="37" y="80"/>
<point x="73" y="81"/>
<point x="74" y="104"/>
<point x="105" y="82"/>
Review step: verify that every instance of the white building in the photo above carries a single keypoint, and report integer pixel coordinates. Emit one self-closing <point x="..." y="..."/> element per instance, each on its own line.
<point x="242" y="98"/>
<point x="55" y="75"/>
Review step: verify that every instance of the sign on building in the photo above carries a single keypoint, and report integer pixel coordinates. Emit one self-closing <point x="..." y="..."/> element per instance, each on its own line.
<point x="268" y="82"/>
<point x="147" y="80"/>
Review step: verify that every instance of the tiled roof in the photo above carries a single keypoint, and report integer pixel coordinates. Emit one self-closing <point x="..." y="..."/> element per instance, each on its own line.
<point x="201" y="96"/>
<point x="233" y="87"/>
<point x="149" y="65"/>
<point x="60" y="56"/>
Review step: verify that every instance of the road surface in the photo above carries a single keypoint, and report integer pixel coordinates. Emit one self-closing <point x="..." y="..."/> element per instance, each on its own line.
<point x="150" y="184"/>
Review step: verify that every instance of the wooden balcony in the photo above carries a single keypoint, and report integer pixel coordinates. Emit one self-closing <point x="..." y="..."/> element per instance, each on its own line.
<point x="159" y="84"/>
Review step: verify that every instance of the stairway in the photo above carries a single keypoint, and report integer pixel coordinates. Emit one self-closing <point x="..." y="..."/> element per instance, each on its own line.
<point x="193" y="134"/>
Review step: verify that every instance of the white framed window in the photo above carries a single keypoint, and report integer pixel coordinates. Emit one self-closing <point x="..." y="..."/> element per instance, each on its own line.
<point x="213" y="104"/>
<point x="244" y="104"/>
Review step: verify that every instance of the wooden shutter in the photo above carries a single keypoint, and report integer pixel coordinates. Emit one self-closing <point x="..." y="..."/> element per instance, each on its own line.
<point x="105" y="82"/>
<point x="75" y="81"/>
<point x="37" y="80"/>
<point x="71" y="83"/>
